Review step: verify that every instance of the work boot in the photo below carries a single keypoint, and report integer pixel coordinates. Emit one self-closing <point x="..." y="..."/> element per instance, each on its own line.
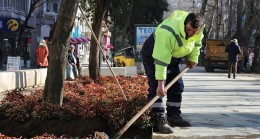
<point x="161" y="125"/>
<point x="234" y="77"/>
<point x="176" y="120"/>
<point x="228" y="75"/>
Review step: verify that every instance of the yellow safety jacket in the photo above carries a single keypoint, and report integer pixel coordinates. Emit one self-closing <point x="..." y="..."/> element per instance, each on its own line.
<point x="170" y="42"/>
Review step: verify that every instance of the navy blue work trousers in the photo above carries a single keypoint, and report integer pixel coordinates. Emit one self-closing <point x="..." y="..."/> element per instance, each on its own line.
<point x="174" y="93"/>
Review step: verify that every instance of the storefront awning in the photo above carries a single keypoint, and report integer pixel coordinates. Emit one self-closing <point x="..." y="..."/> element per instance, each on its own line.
<point x="78" y="40"/>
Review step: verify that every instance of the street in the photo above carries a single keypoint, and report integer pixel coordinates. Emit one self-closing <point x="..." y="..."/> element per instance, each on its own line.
<point x="219" y="107"/>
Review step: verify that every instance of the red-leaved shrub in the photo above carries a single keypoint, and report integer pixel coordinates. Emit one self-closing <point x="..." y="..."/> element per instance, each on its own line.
<point x="83" y="99"/>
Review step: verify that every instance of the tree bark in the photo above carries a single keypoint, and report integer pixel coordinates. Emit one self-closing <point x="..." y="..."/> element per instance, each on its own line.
<point x="256" y="59"/>
<point x="94" y="59"/>
<point x="211" y="20"/>
<point x="218" y="19"/>
<point x="256" y="35"/>
<point x="239" y="15"/>
<point x="54" y="84"/>
<point x="244" y="33"/>
<point x="203" y="7"/>
<point x="247" y="33"/>
<point x="230" y="19"/>
<point x="126" y="22"/>
<point x="202" y="12"/>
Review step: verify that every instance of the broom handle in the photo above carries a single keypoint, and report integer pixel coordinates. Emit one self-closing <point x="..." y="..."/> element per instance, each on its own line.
<point x="148" y="105"/>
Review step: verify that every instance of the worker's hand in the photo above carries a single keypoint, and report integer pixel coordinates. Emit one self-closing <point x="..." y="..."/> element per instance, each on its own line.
<point x="191" y="64"/>
<point x="160" y="89"/>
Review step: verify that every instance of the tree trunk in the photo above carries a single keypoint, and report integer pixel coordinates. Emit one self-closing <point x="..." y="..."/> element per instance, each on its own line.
<point x="256" y="59"/>
<point x="94" y="59"/>
<point x="218" y="19"/>
<point x="221" y="23"/>
<point x="211" y="21"/>
<point x="230" y="19"/>
<point x="54" y="84"/>
<point x="244" y="35"/>
<point x="203" y="7"/>
<point x="256" y="35"/>
<point x="249" y="36"/>
<point x="242" y="32"/>
<point x="239" y="15"/>
<point x="126" y="22"/>
<point x="202" y="12"/>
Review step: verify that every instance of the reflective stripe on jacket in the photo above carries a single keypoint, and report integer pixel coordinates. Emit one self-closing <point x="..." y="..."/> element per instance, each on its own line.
<point x="170" y="42"/>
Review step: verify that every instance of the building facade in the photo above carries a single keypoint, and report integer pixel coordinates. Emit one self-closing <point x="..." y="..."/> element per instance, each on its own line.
<point x="12" y="15"/>
<point x="46" y="16"/>
<point x="41" y="22"/>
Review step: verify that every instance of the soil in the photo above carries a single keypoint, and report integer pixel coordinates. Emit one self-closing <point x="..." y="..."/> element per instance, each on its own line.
<point x="70" y="129"/>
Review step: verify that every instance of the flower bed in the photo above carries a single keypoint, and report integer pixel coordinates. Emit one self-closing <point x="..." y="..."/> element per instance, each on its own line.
<point x="88" y="106"/>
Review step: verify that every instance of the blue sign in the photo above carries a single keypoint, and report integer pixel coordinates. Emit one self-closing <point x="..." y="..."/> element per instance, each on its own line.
<point x="10" y="24"/>
<point x="142" y="33"/>
<point x="75" y="31"/>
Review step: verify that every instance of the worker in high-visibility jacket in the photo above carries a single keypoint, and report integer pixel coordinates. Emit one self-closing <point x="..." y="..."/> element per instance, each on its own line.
<point x="177" y="36"/>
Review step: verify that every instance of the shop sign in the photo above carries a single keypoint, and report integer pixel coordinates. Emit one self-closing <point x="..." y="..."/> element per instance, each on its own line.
<point x="13" y="63"/>
<point x="10" y="24"/>
<point x="143" y="31"/>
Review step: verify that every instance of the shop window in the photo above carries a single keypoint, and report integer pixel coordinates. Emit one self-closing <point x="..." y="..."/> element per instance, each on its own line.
<point x="21" y="5"/>
<point x="55" y="7"/>
<point x="48" y="6"/>
<point x="7" y="49"/>
<point x="6" y="3"/>
<point x="52" y="6"/>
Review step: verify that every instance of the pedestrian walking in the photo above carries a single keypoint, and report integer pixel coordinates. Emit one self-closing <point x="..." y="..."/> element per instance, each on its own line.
<point x="177" y="36"/>
<point x="233" y="49"/>
<point x="42" y="53"/>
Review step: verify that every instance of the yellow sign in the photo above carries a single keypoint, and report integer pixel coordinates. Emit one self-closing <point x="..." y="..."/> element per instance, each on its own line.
<point x="12" y="25"/>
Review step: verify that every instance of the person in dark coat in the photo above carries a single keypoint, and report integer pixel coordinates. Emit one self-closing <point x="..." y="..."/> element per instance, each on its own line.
<point x="73" y="60"/>
<point x="233" y="49"/>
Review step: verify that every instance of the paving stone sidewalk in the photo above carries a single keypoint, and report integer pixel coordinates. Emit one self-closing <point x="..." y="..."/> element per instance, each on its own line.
<point x="219" y="107"/>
